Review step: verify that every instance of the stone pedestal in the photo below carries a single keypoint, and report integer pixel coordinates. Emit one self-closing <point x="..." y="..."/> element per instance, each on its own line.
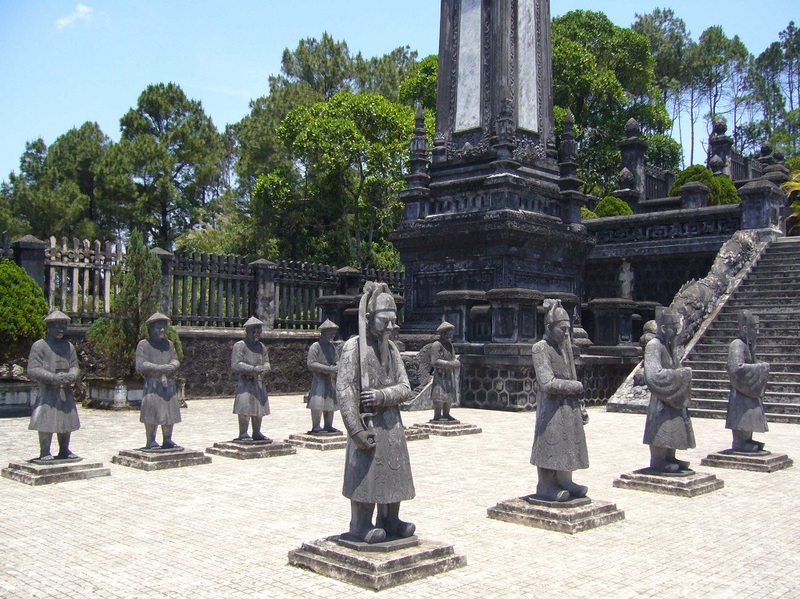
<point x="57" y="471"/>
<point x="416" y="434"/>
<point x="379" y="566"/>
<point x="248" y="450"/>
<point x="160" y="459"/>
<point x="114" y="395"/>
<point x="17" y="397"/>
<point x="569" y="517"/>
<point x="319" y="441"/>
<point x="684" y="484"/>
<point x="447" y="428"/>
<point x="762" y="461"/>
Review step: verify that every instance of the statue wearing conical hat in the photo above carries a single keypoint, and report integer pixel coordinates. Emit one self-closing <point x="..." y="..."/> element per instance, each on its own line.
<point x="157" y="362"/>
<point x="668" y="426"/>
<point x="249" y="360"/>
<point x="559" y="441"/>
<point x="370" y="385"/>
<point x="322" y="362"/>
<point x="446" y="367"/>
<point x="748" y="378"/>
<point x="53" y="364"/>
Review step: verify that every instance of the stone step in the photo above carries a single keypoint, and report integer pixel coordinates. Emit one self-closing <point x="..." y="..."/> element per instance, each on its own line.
<point x="784" y="314"/>
<point x="771" y="397"/>
<point x="723" y="384"/>
<point x="720" y="414"/>
<point x="779" y="378"/>
<point x="786" y="371"/>
<point x="720" y="405"/>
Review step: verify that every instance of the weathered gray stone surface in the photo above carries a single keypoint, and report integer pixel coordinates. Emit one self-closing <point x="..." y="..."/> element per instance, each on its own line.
<point x="763" y="462"/>
<point x="452" y="428"/>
<point x="570" y="517"/>
<point x="55" y="472"/>
<point x="376" y="570"/>
<point x="689" y="484"/>
<point x="322" y="442"/>
<point x="251" y="450"/>
<point x="160" y="460"/>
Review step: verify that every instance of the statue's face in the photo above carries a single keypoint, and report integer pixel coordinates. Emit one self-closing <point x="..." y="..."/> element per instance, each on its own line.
<point x="253" y="333"/>
<point x="158" y="330"/>
<point x="384" y="323"/>
<point x="56" y="330"/>
<point x="448" y="334"/>
<point x="559" y="331"/>
<point x="327" y="335"/>
<point x="668" y="331"/>
<point x="750" y="332"/>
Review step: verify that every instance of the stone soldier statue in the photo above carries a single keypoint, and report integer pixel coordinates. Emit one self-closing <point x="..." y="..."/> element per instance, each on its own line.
<point x="157" y="362"/>
<point x="53" y="364"/>
<point x="249" y="360"/>
<point x="321" y="361"/>
<point x="370" y="385"/>
<point x="559" y="442"/>
<point x="748" y="382"/>
<point x="446" y="367"/>
<point x="668" y="426"/>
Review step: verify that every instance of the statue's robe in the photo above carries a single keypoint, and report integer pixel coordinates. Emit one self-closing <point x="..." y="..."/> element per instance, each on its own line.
<point x="668" y="424"/>
<point x="55" y="410"/>
<point x="160" y="403"/>
<point x="444" y="388"/>
<point x="251" y="393"/>
<point x="748" y="382"/>
<point x="321" y="361"/>
<point x="382" y="474"/>
<point x="559" y="442"/>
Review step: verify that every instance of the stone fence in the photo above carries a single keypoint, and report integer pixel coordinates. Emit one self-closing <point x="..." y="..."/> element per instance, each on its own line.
<point x="198" y="289"/>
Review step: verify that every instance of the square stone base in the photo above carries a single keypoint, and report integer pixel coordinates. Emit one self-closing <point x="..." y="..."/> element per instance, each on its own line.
<point x="447" y="428"/>
<point x="373" y="568"/>
<point x="756" y="462"/>
<point x="319" y="441"/>
<point x="58" y="471"/>
<point x="249" y="450"/>
<point x="416" y="434"/>
<point x="160" y="459"/>
<point x="690" y="484"/>
<point x="568" y="517"/>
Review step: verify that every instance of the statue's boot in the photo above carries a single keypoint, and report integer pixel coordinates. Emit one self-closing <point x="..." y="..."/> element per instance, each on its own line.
<point x="547" y="488"/>
<point x="659" y="460"/>
<point x="682" y="464"/>
<point x="446" y="412"/>
<point x="743" y="442"/>
<point x="45" y="439"/>
<point x="564" y="478"/>
<point x="759" y="444"/>
<point x="150" y="434"/>
<point x="328" y="428"/>
<point x="257" y="434"/>
<point x="244" y="422"/>
<point x="437" y="410"/>
<point x="63" y="447"/>
<point x="361" y="523"/>
<point x="316" y="418"/>
<point x="389" y="520"/>
<point x="166" y="433"/>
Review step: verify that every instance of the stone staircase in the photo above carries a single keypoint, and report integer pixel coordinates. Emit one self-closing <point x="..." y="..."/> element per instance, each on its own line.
<point x="772" y="291"/>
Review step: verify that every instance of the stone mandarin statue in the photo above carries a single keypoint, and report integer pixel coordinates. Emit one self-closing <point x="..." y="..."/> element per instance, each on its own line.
<point x="157" y="362"/>
<point x="370" y="385"/>
<point x="53" y="364"/>
<point x="446" y="367"/>
<point x="668" y="426"/>
<point x="321" y="361"/>
<point x="559" y="442"/>
<point x="748" y="378"/>
<point x="249" y="360"/>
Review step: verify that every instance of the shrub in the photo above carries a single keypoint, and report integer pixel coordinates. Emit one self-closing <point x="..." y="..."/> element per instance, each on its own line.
<point x="611" y="206"/>
<point x="587" y="214"/>
<point x="114" y="339"/>
<point x="22" y="310"/>
<point x="723" y="191"/>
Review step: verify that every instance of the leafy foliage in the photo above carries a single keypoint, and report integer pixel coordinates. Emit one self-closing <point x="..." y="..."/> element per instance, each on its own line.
<point x="22" y="310"/>
<point x="587" y="214"/>
<point x="723" y="191"/>
<point x="612" y="206"/>
<point x="420" y="84"/>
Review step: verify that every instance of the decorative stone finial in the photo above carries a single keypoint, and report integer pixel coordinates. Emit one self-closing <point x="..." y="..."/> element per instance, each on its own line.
<point x="720" y="126"/>
<point x="626" y="179"/>
<point x="632" y="128"/>
<point x="716" y="164"/>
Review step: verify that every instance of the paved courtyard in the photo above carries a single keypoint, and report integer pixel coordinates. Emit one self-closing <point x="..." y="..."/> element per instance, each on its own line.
<point x="224" y="529"/>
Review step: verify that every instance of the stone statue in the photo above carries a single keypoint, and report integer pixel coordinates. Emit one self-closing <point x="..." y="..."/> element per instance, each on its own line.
<point x="559" y="443"/>
<point x="249" y="360"/>
<point x="748" y="382"/>
<point x="370" y="385"/>
<point x="446" y="367"/>
<point x="626" y="280"/>
<point x="321" y="361"/>
<point x="53" y="364"/>
<point x="668" y="426"/>
<point x="157" y="362"/>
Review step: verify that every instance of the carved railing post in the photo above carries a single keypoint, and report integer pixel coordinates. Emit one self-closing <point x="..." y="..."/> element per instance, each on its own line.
<point x="29" y="254"/>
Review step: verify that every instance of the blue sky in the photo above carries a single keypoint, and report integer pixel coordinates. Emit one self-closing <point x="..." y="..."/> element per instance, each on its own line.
<point x="63" y="63"/>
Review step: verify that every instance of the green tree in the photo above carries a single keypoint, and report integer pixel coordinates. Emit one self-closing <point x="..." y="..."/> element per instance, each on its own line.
<point x="351" y="151"/>
<point x="168" y="164"/>
<point x="419" y="86"/>
<point x="612" y="206"/>
<point x="723" y="191"/>
<point x="22" y="311"/>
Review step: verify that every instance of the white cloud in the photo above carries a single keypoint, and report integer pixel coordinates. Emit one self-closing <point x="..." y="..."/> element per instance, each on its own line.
<point x="81" y="13"/>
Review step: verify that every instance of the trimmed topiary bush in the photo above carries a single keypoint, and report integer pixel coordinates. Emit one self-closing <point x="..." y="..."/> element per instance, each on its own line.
<point x="22" y="310"/>
<point x="723" y="191"/>
<point x="611" y="206"/>
<point x="587" y="214"/>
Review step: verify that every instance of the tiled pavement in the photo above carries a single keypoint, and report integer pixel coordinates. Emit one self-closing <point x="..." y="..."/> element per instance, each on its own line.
<point x="224" y="529"/>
